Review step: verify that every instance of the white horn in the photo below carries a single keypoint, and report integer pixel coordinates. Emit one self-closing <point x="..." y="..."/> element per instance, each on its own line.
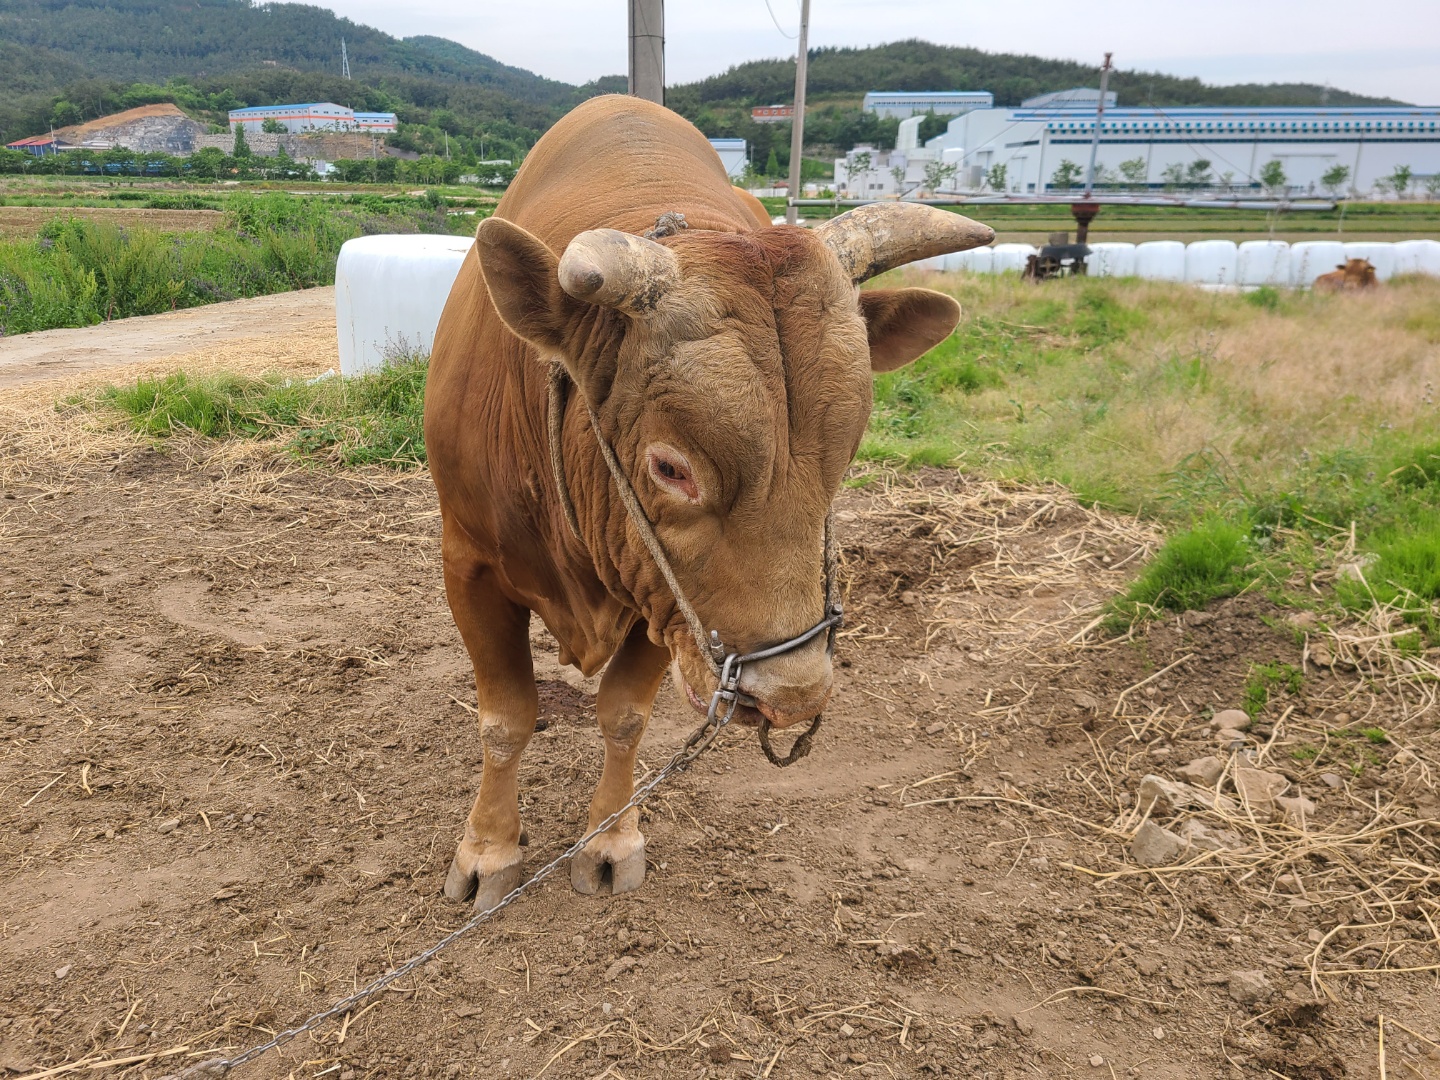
<point x="618" y="270"/>
<point x="872" y="239"/>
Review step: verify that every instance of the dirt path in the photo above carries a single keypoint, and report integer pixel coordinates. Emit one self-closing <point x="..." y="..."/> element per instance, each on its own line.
<point x="48" y="354"/>
<point x="16" y="221"/>
<point x="238" y="748"/>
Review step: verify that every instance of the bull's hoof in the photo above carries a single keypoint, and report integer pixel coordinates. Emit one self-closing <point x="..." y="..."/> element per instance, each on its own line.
<point x="603" y="869"/>
<point x="482" y="875"/>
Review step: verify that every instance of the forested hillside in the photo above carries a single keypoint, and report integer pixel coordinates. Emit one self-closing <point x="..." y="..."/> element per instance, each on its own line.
<point x="67" y="61"/>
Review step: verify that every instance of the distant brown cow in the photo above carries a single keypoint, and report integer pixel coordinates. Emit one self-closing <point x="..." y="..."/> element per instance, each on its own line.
<point x="728" y="364"/>
<point x="1349" y="275"/>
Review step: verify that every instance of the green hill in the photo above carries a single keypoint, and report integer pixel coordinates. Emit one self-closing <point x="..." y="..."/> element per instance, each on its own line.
<point x="66" y="61"/>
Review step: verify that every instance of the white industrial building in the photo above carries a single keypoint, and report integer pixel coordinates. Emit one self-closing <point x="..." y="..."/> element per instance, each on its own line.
<point x="734" y="155"/>
<point x="312" y="116"/>
<point x="1151" y="149"/>
<point x="893" y="104"/>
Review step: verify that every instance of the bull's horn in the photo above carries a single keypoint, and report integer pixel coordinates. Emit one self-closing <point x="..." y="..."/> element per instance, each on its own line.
<point x="872" y="239"/>
<point x="618" y="270"/>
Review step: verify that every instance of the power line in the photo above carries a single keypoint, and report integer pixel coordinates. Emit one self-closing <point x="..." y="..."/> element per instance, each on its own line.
<point x="777" y="21"/>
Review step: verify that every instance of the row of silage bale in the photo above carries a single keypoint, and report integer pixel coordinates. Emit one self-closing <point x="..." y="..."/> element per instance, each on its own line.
<point x="1215" y="263"/>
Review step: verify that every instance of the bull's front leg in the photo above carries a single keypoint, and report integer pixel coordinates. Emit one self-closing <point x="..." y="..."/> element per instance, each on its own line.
<point x="614" y="862"/>
<point x="496" y="635"/>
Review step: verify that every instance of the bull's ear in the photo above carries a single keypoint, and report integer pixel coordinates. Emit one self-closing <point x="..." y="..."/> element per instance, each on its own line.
<point x="521" y="276"/>
<point x="904" y="324"/>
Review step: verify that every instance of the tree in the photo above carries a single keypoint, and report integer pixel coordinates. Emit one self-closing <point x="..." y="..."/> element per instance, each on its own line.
<point x="1134" y="171"/>
<point x="1400" y="179"/>
<point x="898" y="175"/>
<point x="1173" y="175"/>
<point x="772" y="164"/>
<point x="996" y="177"/>
<point x="860" y="166"/>
<point x="242" y="148"/>
<point x="271" y="126"/>
<point x="1432" y="185"/>
<point x="1227" y="181"/>
<point x="1335" y="178"/>
<point x="1273" y="177"/>
<point x="1067" y="175"/>
<point x="1198" y="174"/>
<point x="64" y="114"/>
<point x="936" y="173"/>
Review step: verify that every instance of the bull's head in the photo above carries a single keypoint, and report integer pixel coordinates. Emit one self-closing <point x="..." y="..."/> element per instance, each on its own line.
<point x="732" y="374"/>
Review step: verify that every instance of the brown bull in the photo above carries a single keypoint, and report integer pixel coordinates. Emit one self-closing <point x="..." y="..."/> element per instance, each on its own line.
<point x="728" y="365"/>
<point x="1349" y="275"/>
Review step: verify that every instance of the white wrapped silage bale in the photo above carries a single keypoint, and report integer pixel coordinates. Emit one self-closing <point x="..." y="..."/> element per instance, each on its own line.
<point x="1211" y="262"/>
<point x="1263" y="262"/>
<point x="1111" y="260"/>
<point x="1010" y="258"/>
<point x="1418" y="257"/>
<point x="1160" y="260"/>
<point x="389" y="292"/>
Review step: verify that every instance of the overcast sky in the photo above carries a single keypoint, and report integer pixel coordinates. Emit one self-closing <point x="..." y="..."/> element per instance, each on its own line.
<point x="1352" y="46"/>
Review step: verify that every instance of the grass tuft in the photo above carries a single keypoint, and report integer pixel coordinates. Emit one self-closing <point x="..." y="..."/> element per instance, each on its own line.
<point x="1194" y="567"/>
<point x="377" y="418"/>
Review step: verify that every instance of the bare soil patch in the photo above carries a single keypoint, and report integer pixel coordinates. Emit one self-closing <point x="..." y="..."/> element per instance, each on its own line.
<point x="238" y="751"/>
<point x="27" y="220"/>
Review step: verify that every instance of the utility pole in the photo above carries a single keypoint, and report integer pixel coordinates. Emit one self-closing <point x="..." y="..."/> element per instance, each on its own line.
<point x="1099" y="116"/>
<point x="647" y="50"/>
<point x="797" y="125"/>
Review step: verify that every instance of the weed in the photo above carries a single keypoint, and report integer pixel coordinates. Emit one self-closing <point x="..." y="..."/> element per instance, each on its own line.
<point x="1263" y="680"/>
<point x="376" y="418"/>
<point x="1203" y="563"/>
<point x="1374" y="735"/>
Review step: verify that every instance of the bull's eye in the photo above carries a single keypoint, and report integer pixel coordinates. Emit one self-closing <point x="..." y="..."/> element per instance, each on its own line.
<point x="671" y="472"/>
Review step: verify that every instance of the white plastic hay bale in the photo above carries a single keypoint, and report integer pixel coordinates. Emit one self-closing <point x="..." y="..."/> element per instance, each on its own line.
<point x="1160" y="260"/>
<point x="974" y="261"/>
<point x="1263" y="262"/>
<point x="1418" y="257"/>
<point x="1010" y="258"/>
<point x="1211" y="262"/>
<point x="1111" y="260"/>
<point x="1311" y="258"/>
<point x="1381" y="256"/>
<point x="389" y="292"/>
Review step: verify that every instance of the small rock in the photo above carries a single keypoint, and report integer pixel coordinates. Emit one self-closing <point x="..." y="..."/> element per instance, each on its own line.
<point x="1230" y="718"/>
<point x="1085" y="701"/>
<point x="60" y="973"/>
<point x="1160" y="796"/>
<point x="1159" y="1033"/>
<point x="1259" y="787"/>
<point x="226" y="894"/>
<point x="1023" y="1024"/>
<point x="1294" y="810"/>
<point x="1202" y="837"/>
<point x="1248" y="987"/>
<point x="1321" y="656"/>
<point x="1230" y="739"/>
<point x="846" y="1030"/>
<point x="1147" y="965"/>
<point x="1288" y="883"/>
<point x="1332" y="780"/>
<point x="1097" y="1061"/>
<point x="935" y="729"/>
<point x="1154" y="846"/>
<point x="620" y="967"/>
<point x="909" y="598"/>
<point x="1203" y="771"/>
<point x="1315" y="936"/>
<point x="168" y="826"/>
<point x="1197" y="618"/>
<point x="1303" y="619"/>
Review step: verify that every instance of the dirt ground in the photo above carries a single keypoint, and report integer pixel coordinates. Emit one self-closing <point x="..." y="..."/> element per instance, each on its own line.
<point x="272" y="328"/>
<point x="239" y="747"/>
<point x="26" y="220"/>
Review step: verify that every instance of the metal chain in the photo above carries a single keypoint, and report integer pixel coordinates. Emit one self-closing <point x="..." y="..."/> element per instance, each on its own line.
<point x="699" y="741"/>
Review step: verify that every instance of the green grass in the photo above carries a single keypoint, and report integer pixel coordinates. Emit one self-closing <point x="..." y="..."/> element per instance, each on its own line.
<point x="78" y="272"/>
<point x="371" y="419"/>
<point x="1264" y="681"/>
<point x="1276" y="417"/>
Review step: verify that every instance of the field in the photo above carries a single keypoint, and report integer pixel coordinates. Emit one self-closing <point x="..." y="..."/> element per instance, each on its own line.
<point x="240" y="739"/>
